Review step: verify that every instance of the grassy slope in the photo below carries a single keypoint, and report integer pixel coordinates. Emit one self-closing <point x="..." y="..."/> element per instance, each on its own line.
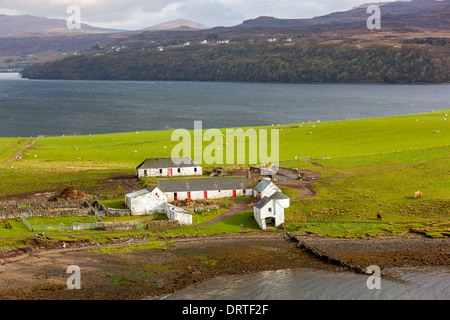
<point x="9" y="147"/>
<point x="327" y="139"/>
<point x="386" y="160"/>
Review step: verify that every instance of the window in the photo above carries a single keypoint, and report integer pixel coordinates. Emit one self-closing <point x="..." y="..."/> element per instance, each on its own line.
<point x="178" y="170"/>
<point x="160" y="170"/>
<point x="270" y="209"/>
<point x="195" y="169"/>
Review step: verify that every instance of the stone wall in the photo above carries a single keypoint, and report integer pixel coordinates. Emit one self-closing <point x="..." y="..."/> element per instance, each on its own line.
<point x="12" y="209"/>
<point x="132" y="225"/>
<point x="162" y="224"/>
<point x="199" y="208"/>
<point x="109" y="212"/>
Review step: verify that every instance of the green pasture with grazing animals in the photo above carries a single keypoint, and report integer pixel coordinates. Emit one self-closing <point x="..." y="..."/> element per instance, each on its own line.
<point x="335" y="139"/>
<point x="370" y="170"/>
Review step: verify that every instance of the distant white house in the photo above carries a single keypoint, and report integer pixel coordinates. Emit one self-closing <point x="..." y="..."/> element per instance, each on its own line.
<point x="269" y="211"/>
<point x="168" y="167"/>
<point x="207" y="188"/>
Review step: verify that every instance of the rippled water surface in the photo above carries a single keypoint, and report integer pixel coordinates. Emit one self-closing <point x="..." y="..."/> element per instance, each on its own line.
<point x="306" y="284"/>
<point x="57" y="107"/>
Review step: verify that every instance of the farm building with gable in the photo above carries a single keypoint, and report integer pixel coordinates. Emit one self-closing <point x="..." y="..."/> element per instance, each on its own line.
<point x="168" y="167"/>
<point x="265" y="188"/>
<point x="269" y="211"/>
<point x="208" y="188"/>
<point x="154" y="201"/>
<point x="146" y="201"/>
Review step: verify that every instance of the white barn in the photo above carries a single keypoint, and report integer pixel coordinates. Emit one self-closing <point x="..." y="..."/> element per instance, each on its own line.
<point x="207" y="188"/>
<point x="154" y="201"/>
<point x="146" y="201"/>
<point x="168" y="167"/>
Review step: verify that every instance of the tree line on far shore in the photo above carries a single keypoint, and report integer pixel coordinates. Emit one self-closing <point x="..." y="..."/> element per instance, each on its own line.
<point x="258" y="62"/>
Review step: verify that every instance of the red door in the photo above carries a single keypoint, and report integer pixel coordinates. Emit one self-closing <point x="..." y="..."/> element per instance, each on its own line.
<point x="234" y="193"/>
<point x="169" y="172"/>
<point x="175" y="196"/>
<point x="189" y="195"/>
<point x="205" y="194"/>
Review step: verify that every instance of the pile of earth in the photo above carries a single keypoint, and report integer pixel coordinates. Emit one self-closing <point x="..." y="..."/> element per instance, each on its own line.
<point x="193" y="203"/>
<point x="71" y="193"/>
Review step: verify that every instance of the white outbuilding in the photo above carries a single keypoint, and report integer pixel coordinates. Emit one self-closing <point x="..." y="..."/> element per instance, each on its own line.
<point x="269" y="211"/>
<point x="146" y="201"/>
<point x="265" y="188"/>
<point x="154" y="201"/>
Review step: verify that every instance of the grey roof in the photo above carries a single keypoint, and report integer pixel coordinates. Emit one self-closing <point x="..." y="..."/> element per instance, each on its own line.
<point x="159" y="163"/>
<point x="279" y="196"/>
<point x="205" y="184"/>
<point x="137" y="193"/>
<point x="263" y="202"/>
<point x="276" y="196"/>
<point x="262" y="185"/>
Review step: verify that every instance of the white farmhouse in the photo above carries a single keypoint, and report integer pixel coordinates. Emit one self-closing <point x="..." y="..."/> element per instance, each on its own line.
<point x="207" y="188"/>
<point x="269" y="211"/>
<point x="146" y="201"/>
<point x="168" y="167"/>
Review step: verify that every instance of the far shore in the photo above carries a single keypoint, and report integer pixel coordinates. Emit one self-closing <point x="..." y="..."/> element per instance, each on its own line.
<point x="108" y="272"/>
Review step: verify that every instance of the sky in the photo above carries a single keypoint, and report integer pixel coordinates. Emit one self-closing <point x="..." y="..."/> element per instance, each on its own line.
<point x="138" y="14"/>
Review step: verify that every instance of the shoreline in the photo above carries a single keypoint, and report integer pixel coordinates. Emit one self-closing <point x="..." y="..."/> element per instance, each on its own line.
<point x="136" y="274"/>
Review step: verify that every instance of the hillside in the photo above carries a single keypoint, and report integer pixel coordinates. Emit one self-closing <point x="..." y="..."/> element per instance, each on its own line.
<point x="412" y="46"/>
<point x="20" y="24"/>
<point x="259" y="62"/>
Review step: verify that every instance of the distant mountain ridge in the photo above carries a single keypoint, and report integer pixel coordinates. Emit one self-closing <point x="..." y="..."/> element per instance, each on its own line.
<point x="23" y="24"/>
<point x="403" y="22"/>
<point x="178" y="24"/>
<point x="404" y="11"/>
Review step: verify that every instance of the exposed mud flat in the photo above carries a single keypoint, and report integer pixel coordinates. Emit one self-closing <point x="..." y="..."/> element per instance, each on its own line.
<point x="41" y="274"/>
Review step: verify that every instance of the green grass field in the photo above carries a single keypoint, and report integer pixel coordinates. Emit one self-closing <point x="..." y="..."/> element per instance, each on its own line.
<point x="375" y="166"/>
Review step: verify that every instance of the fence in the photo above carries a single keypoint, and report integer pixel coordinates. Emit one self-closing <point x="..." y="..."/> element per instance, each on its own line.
<point x="61" y="227"/>
<point x="78" y="226"/>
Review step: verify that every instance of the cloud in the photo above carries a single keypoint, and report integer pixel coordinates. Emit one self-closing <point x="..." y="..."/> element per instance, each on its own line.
<point x="136" y="14"/>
